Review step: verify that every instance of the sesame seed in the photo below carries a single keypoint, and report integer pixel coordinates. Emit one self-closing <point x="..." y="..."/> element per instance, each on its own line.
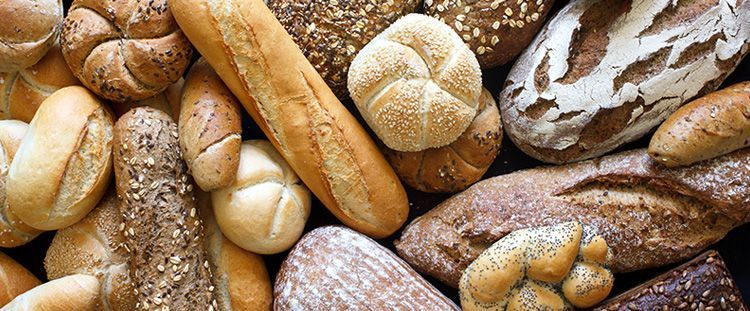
<point x="175" y="260"/>
<point x="496" y="25"/>
<point x="160" y="268"/>
<point x="508" y="11"/>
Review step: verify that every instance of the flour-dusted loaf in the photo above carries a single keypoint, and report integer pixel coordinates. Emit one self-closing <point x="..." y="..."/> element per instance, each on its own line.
<point x="335" y="268"/>
<point x="649" y="215"/>
<point x="604" y="72"/>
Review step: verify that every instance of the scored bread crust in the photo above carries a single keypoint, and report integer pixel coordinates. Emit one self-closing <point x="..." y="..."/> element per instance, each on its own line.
<point x="162" y="227"/>
<point x="29" y="29"/>
<point x="649" y="215"/>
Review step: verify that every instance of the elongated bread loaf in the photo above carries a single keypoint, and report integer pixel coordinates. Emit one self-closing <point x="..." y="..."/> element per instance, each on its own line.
<point x="76" y="292"/>
<point x="649" y="215"/>
<point x="13" y="231"/>
<point x="14" y="279"/>
<point x="294" y="107"/>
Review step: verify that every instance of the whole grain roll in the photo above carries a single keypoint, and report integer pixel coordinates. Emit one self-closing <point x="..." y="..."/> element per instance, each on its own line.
<point x="124" y="50"/>
<point x="330" y="33"/>
<point x="64" y="163"/>
<point x="76" y="292"/>
<point x="416" y="84"/>
<point x="167" y="101"/>
<point x="14" y="279"/>
<point x="29" y="28"/>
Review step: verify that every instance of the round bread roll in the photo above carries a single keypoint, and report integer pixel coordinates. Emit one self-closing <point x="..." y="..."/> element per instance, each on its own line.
<point x="95" y="246"/>
<point x="64" y="163"/>
<point x="416" y="84"/>
<point x="76" y="292"/>
<point x="167" y="101"/>
<point x="454" y="167"/>
<point x="330" y="41"/>
<point x="28" y="31"/>
<point x="265" y="209"/>
<point x="124" y="50"/>
<point x="26" y="89"/>
<point x="495" y="30"/>
<point x="525" y="269"/>
<point x="14" y="279"/>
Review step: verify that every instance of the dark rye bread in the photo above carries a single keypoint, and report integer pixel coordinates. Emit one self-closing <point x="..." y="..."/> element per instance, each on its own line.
<point x="649" y="215"/>
<point x="336" y="268"/>
<point x="703" y="283"/>
<point x="162" y="227"/>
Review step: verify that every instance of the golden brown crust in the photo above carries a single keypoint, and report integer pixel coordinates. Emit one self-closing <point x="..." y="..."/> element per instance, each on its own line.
<point x="14" y="279"/>
<point x="28" y="30"/>
<point x="167" y="101"/>
<point x="13" y="231"/>
<point x="74" y="292"/>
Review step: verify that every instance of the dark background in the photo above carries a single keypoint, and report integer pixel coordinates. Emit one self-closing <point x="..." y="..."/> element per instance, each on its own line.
<point x="734" y="248"/>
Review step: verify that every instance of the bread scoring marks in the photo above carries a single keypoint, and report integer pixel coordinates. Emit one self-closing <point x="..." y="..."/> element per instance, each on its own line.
<point x="657" y="51"/>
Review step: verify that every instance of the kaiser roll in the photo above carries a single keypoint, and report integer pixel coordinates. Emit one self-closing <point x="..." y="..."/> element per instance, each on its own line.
<point x="416" y="84"/>
<point x="14" y="279"/>
<point x="28" y="29"/>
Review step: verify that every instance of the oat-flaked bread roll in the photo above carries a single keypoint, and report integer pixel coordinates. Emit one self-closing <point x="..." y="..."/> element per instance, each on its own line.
<point x="124" y="50"/>
<point x="163" y="231"/>
<point x="29" y="29"/>
<point x="26" y="89"/>
<point x="710" y="126"/>
<point x="330" y="33"/>
<point x="76" y="292"/>
<point x="64" y="163"/>
<point x="542" y="268"/>
<point x="605" y="72"/>
<point x="167" y="101"/>
<point x="454" y="167"/>
<point x="495" y="30"/>
<point x="648" y="214"/>
<point x="416" y="84"/>
<point x="96" y="246"/>
<point x="14" y="279"/>
<point x="210" y="126"/>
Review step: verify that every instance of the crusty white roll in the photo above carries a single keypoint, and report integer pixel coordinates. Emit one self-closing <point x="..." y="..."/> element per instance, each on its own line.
<point x="167" y="101"/>
<point x="265" y="209"/>
<point x="416" y="84"/>
<point x="64" y="163"/>
<point x="28" y="29"/>
<point x="76" y="292"/>
<point x="210" y="128"/>
<point x="14" y="279"/>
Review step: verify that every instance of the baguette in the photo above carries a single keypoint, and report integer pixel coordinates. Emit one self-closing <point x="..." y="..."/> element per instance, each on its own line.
<point x="162" y="229"/>
<point x="76" y="292"/>
<point x="14" y="279"/>
<point x="649" y="215"/>
<point x="710" y="126"/>
<point x="319" y="138"/>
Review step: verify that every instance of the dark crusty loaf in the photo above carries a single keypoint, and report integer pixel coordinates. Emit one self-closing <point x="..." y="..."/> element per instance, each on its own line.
<point x="703" y="283"/>
<point x="648" y="214"/>
<point x="162" y="228"/>
<point x="335" y="268"/>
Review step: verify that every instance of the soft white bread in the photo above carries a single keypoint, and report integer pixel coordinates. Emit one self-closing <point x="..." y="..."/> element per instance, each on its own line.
<point x="76" y="292"/>
<point x="95" y="246"/>
<point x="287" y="98"/>
<point x="64" y="163"/>
<point x="210" y="128"/>
<point x="167" y="101"/>
<point x="265" y="209"/>
<point x="14" y="279"/>
<point x="13" y="231"/>
<point x="524" y="270"/>
<point x="416" y="84"/>
<point x="23" y="91"/>
<point x="28" y="29"/>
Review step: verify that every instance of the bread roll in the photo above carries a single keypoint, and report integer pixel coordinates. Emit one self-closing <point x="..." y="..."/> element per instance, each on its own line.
<point x="454" y="167"/>
<point x="540" y="260"/>
<point x="210" y="128"/>
<point x="14" y="279"/>
<point x="265" y="209"/>
<point x="162" y="229"/>
<point x="28" y="30"/>
<point x="495" y="30"/>
<point x="64" y="163"/>
<point x="711" y="126"/>
<point x="167" y="101"/>
<point x="96" y="246"/>
<point x="299" y="114"/>
<point x="124" y="50"/>
<point x="416" y="84"/>
<point x="330" y="41"/>
<point x="76" y="292"/>
<point x="26" y="89"/>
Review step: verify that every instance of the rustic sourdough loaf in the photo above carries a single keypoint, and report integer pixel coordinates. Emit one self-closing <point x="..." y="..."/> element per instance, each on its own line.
<point x="604" y="72"/>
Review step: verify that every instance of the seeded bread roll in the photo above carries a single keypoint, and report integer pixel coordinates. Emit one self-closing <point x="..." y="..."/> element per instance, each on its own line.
<point x="454" y="167"/>
<point x="416" y="84"/>
<point x="167" y="101"/>
<point x="330" y="33"/>
<point x="76" y="292"/>
<point x="168" y="263"/>
<point x="14" y="279"/>
<point x="495" y="30"/>
<point x="24" y="90"/>
<point x="210" y="128"/>
<point x="28" y="30"/>
<point x="64" y="163"/>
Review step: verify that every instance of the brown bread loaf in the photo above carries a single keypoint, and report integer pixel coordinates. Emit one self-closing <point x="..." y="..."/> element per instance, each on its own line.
<point x="28" y="29"/>
<point x="14" y="279"/>
<point x="161" y="225"/>
<point x="167" y="101"/>
<point x="78" y="292"/>
<point x="649" y="215"/>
